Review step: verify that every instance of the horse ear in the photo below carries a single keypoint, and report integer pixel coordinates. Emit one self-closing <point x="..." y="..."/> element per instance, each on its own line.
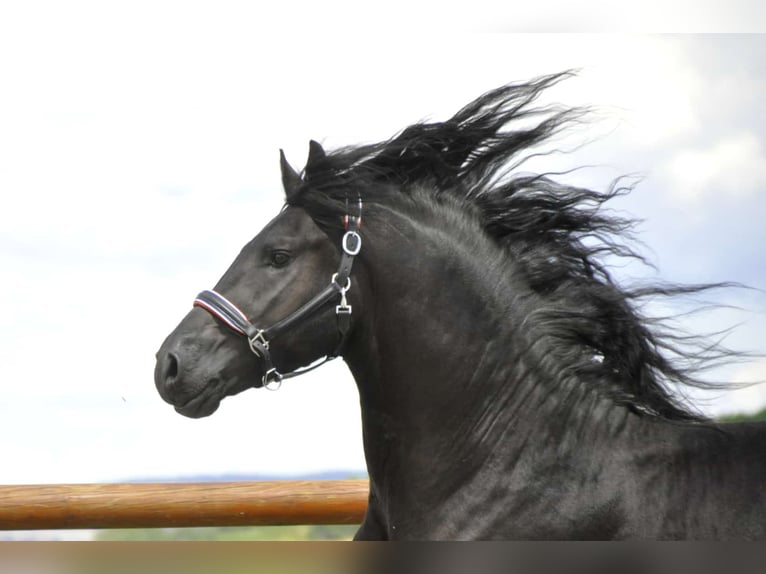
<point x="316" y="153"/>
<point x="291" y="180"/>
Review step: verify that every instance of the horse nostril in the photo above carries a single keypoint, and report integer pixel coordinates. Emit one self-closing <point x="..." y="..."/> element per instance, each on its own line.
<point x="166" y="373"/>
<point x="171" y="367"/>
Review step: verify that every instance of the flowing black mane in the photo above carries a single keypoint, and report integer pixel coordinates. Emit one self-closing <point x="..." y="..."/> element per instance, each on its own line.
<point x="557" y="234"/>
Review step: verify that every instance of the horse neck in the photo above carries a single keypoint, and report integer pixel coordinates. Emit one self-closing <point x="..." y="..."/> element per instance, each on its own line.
<point x="446" y="360"/>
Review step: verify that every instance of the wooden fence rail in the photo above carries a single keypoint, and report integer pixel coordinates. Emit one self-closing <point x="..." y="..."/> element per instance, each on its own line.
<point x="158" y="505"/>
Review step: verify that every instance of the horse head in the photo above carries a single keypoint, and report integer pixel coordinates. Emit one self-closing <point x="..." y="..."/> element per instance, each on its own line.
<point x="281" y="305"/>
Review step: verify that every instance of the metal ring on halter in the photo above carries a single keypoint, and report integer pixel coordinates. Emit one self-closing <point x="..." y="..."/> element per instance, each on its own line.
<point x="352" y="250"/>
<point x="348" y="282"/>
<point x="267" y="380"/>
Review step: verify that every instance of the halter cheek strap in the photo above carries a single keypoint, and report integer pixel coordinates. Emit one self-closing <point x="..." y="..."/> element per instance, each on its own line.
<point x="259" y="339"/>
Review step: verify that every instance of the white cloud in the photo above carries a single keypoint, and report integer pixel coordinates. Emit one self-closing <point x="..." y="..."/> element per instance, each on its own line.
<point x="735" y="165"/>
<point x="749" y="399"/>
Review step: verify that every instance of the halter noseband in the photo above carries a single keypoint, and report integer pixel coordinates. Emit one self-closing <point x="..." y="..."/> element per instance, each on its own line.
<point x="259" y="339"/>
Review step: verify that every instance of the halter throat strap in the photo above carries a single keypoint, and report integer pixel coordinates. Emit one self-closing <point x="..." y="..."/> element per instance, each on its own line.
<point x="259" y="339"/>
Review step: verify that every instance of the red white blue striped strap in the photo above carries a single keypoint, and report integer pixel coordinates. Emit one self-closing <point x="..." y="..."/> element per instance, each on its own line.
<point x="224" y="310"/>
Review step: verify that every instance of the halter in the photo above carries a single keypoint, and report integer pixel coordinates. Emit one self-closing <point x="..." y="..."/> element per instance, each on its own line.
<point x="259" y="339"/>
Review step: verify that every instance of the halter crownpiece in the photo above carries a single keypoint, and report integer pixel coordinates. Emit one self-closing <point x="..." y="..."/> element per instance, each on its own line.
<point x="259" y="339"/>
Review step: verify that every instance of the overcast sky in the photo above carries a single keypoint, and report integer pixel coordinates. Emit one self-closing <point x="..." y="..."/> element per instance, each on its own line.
<point x="138" y="153"/>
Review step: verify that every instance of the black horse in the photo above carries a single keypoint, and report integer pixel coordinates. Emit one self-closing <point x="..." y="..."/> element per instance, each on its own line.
<point x="510" y="388"/>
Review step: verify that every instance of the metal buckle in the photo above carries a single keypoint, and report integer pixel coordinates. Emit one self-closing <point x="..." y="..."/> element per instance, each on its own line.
<point x="258" y="338"/>
<point x="348" y="249"/>
<point x="344" y="308"/>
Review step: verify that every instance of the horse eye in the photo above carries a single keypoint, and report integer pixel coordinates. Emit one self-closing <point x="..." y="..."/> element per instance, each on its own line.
<point x="279" y="258"/>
